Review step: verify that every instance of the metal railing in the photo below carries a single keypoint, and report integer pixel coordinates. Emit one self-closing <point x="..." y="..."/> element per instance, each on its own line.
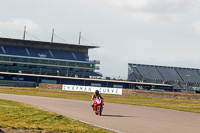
<point x="96" y="61"/>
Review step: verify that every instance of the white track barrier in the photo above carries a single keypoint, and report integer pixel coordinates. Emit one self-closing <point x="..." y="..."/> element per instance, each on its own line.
<point x="93" y="89"/>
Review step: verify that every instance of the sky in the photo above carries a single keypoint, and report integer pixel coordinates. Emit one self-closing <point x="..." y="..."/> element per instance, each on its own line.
<point x="155" y="32"/>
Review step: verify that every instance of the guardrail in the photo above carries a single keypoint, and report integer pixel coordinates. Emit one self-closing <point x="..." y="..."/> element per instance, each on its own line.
<point x="97" y="67"/>
<point x="96" y="61"/>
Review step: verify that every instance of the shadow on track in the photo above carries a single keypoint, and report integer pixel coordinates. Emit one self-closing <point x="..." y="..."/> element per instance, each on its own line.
<point x="1" y="131"/>
<point x="117" y="116"/>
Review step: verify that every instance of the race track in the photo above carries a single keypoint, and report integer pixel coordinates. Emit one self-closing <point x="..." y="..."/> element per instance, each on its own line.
<point x="119" y="117"/>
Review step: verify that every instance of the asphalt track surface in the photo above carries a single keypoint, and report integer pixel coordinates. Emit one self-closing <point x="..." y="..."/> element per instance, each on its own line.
<point x="118" y="117"/>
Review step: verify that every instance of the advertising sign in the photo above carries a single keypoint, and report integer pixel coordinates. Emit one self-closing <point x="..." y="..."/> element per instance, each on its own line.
<point x="93" y="89"/>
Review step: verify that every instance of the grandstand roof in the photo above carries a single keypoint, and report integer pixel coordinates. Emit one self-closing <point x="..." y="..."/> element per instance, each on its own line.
<point x="185" y="78"/>
<point x="100" y="80"/>
<point x="185" y="68"/>
<point x="51" y="44"/>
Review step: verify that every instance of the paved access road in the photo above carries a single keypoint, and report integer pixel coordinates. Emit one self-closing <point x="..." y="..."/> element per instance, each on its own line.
<point x="119" y="117"/>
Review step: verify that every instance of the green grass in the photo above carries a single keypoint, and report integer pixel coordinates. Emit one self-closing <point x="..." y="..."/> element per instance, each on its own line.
<point x="18" y="115"/>
<point x="167" y="103"/>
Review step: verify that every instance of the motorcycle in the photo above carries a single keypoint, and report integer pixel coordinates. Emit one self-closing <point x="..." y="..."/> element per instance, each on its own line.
<point x="98" y="106"/>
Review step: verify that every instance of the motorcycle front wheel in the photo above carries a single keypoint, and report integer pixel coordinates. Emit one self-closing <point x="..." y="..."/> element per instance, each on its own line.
<point x="100" y="111"/>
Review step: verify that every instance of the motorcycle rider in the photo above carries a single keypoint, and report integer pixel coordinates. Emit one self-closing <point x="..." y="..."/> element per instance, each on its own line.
<point x="96" y="95"/>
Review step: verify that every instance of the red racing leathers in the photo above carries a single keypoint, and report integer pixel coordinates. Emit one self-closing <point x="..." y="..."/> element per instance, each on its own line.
<point x="96" y="96"/>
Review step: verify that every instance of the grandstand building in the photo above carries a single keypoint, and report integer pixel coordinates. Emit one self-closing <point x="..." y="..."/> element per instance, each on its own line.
<point x="183" y="79"/>
<point x="46" y="58"/>
<point x="25" y="62"/>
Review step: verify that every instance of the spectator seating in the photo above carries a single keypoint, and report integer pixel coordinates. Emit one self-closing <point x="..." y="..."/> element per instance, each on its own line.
<point x="43" y="53"/>
<point x="177" y="76"/>
<point x="169" y="74"/>
<point x="63" y="55"/>
<point x="149" y="72"/>
<point x="80" y="56"/>
<point x="15" y="50"/>
<point x="189" y="75"/>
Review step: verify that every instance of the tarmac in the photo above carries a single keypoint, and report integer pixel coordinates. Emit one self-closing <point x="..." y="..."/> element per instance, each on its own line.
<point x="117" y="117"/>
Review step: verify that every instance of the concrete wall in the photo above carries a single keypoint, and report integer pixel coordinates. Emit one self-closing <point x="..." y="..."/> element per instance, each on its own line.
<point x="51" y="86"/>
<point x="17" y="83"/>
<point x="179" y="95"/>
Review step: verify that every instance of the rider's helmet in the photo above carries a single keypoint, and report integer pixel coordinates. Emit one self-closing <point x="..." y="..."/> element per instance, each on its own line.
<point x="96" y="92"/>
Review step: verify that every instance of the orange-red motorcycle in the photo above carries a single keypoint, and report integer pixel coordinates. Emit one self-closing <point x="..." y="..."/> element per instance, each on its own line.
<point x="98" y="106"/>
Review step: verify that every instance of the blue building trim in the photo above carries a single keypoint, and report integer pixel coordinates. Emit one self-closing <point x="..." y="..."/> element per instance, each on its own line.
<point x="80" y="81"/>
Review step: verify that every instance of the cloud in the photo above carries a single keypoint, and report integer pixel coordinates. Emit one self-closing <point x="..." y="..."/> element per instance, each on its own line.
<point x="18" y="25"/>
<point x="196" y="27"/>
<point x="151" y="9"/>
<point x="154" y="6"/>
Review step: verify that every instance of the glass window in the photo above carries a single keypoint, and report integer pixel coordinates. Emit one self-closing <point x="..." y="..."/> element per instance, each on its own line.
<point x="6" y="64"/>
<point x="43" y="61"/>
<point x="96" y="84"/>
<point x="33" y="60"/>
<point x="14" y="78"/>
<point x="22" y="59"/>
<point x="87" y="65"/>
<point x="62" y="63"/>
<point x="53" y="62"/>
<point x="12" y="59"/>
<point x="21" y="78"/>
<point x="4" y="58"/>
<point x="80" y="64"/>
<point x="70" y="63"/>
<point x="117" y="86"/>
<point x="49" y="81"/>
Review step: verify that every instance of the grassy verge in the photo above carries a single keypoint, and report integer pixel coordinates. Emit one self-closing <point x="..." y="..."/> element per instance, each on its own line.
<point x="18" y="115"/>
<point x="167" y="103"/>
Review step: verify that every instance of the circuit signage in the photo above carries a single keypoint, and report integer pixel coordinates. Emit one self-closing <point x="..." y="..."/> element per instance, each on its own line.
<point x="93" y="89"/>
